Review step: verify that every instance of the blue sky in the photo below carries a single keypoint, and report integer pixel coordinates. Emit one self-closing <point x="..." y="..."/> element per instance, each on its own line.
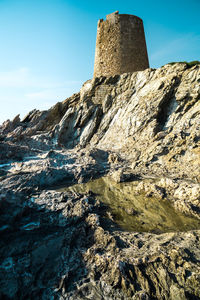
<point x="47" y="47"/>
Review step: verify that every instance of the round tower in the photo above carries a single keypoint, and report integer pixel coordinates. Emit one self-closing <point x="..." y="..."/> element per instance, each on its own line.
<point x="120" y="45"/>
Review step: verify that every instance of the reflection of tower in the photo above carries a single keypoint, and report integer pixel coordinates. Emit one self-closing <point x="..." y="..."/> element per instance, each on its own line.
<point x="120" y="45"/>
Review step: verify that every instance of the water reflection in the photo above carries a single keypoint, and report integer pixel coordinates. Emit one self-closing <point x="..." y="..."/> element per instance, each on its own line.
<point x="137" y="212"/>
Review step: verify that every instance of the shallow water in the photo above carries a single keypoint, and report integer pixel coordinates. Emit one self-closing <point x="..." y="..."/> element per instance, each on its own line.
<point x="136" y="212"/>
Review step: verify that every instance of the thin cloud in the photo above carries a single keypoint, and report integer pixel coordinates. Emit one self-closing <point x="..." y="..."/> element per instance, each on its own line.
<point x="177" y="47"/>
<point x="55" y="93"/>
<point x="21" y="91"/>
<point x="14" y="78"/>
<point x="24" y="78"/>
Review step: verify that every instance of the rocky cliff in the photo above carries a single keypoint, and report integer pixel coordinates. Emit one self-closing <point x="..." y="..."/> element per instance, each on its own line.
<point x="142" y="126"/>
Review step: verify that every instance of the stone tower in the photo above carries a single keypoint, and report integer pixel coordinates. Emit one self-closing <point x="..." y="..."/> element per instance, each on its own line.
<point x="120" y="45"/>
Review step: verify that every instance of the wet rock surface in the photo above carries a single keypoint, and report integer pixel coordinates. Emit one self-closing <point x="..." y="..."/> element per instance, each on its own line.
<point x="67" y="245"/>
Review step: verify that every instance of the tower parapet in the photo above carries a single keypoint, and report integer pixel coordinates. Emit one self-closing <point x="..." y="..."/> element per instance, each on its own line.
<point x="120" y="45"/>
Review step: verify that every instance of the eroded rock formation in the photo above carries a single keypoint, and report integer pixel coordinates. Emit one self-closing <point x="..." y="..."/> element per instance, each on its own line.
<point x="61" y="245"/>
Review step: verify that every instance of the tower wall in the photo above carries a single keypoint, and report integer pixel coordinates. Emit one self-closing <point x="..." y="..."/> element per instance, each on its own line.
<point x="120" y="45"/>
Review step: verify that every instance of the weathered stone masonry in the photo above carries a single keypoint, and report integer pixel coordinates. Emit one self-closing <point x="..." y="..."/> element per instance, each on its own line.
<point x="120" y="45"/>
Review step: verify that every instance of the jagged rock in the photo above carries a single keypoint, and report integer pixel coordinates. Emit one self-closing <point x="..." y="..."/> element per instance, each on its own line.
<point x="66" y="245"/>
<point x="144" y="113"/>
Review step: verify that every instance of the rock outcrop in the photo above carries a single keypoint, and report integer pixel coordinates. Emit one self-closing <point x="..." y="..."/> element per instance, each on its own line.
<point x="142" y="126"/>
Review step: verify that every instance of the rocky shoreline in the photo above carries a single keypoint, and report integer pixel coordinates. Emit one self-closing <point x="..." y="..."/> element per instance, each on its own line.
<point x="62" y="245"/>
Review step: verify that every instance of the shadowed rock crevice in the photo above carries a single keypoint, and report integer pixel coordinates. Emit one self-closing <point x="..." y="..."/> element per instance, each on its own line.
<point x="167" y="106"/>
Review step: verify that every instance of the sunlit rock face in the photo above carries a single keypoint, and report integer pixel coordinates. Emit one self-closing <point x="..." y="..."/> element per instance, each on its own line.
<point x="151" y="117"/>
<point x="142" y="127"/>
